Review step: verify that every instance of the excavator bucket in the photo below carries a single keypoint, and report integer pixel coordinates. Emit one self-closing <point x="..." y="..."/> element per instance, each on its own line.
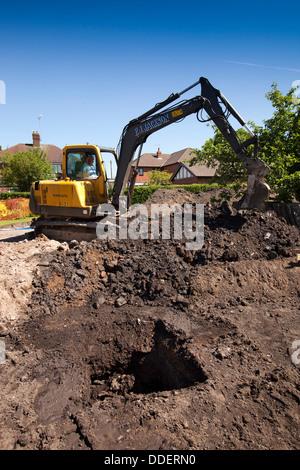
<point x="256" y="194"/>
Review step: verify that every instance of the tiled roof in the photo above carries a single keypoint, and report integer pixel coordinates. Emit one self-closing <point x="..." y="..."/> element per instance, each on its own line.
<point x="179" y="156"/>
<point x="196" y="170"/>
<point x="15" y="149"/>
<point x="54" y="154"/>
<point x="200" y="170"/>
<point x="151" y="160"/>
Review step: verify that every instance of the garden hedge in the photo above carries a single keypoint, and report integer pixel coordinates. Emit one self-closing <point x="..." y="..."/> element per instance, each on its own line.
<point x="14" y="195"/>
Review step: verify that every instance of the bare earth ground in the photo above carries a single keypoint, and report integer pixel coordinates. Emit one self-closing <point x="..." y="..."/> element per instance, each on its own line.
<point x="145" y="345"/>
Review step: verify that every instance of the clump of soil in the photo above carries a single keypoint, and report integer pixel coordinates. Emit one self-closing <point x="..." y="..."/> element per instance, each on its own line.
<point x="144" y="344"/>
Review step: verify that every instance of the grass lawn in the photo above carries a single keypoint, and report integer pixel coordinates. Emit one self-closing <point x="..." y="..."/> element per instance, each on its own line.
<point x="17" y="221"/>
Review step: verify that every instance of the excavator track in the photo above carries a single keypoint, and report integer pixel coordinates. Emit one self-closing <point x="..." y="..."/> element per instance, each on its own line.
<point x="67" y="230"/>
<point x="74" y="229"/>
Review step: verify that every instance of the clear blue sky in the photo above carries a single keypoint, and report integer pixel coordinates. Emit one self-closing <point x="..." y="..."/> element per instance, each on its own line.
<point x="90" y="67"/>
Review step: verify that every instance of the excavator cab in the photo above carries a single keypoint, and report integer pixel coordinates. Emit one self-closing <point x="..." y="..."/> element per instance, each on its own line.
<point x="81" y="164"/>
<point x="79" y="192"/>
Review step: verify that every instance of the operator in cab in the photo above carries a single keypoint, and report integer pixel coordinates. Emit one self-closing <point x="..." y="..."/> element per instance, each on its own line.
<point x="89" y="167"/>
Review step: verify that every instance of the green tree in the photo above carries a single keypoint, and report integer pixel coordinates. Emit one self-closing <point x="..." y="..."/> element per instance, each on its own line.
<point x="21" y="169"/>
<point x="279" y="141"/>
<point x="217" y="153"/>
<point x="159" y="177"/>
<point x="280" y="144"/>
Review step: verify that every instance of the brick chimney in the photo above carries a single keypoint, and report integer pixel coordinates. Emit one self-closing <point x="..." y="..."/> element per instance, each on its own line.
<point x="158" y="153"/>
<point x="36" y="139"/>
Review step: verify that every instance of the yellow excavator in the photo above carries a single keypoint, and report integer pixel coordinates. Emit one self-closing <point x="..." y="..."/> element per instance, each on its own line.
<point x="69" y="206"/>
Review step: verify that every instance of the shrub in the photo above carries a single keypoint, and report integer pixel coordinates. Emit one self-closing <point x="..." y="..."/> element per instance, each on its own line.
<point x="14" y="209"/>
<point x="15" y="194"/>
<point x="21" y="169"/>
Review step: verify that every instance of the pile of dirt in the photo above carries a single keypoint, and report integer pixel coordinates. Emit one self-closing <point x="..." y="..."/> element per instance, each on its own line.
<point x="178" y="196"/>
<point x="181" y="196"/>
<point x="144" y="344"/>
<point x="19" y="263"/>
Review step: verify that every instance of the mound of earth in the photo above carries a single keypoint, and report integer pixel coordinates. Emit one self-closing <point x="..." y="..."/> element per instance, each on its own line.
<point x="144" y="344"/>
<point x="181" y="196"/>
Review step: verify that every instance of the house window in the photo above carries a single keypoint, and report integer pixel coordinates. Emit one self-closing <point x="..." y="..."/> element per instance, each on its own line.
<point x="141" y="171"/>
<point x="56" y="168"/>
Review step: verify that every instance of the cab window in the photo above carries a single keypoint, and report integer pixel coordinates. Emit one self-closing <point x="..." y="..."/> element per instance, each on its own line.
<point x="82" y="165"/>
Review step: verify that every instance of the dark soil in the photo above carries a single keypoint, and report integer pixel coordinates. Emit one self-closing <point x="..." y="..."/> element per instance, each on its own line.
<point x="143" y="344"/>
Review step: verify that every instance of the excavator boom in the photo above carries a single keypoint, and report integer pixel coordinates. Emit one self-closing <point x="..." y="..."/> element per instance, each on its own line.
<point x="137" y="131"/>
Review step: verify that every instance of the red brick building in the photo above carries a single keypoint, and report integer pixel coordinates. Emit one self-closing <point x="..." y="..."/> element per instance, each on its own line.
<point x="147" y="163"/>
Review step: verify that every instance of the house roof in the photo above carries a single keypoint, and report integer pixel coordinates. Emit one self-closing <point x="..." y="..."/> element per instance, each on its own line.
<point x="151" y="160"/>
<point x="196" y="170"/>
<point x="15" y="149"/>
<point x="179" y="156"/>
<point x="200" y="170"/>
<point x="54" y="154"/>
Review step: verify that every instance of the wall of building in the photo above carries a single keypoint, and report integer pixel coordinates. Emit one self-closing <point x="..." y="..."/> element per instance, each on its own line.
<point x="141" y="178"/>
<point x="170" y="168"/>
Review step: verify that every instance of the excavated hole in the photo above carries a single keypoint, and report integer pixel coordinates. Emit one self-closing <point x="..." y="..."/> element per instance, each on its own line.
<point x="168" y="365"/>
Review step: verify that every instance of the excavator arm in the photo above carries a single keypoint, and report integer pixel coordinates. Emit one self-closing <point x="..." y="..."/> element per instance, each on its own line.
<point x="137" y="131"/>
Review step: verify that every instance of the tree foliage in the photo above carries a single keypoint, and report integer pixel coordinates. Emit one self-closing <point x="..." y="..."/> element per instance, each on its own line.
<point x="279" y="141"/>
<point x="280" y="144"/>
<point x="216" y="153"/>
<point x="21" y="169"/>
<point x="159" y="177"/>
